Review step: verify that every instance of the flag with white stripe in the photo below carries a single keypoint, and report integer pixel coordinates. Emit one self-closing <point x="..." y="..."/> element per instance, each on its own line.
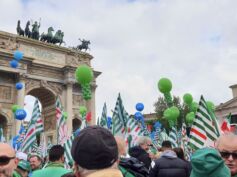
<point x="103" y="119"/>
<point x="134" y="130"/>
<point x="173" y="137"/>
<point x="2" y="138"/>
<point x="120" y="118"/>
<point x="39" y="122"/>
<point x="62" y="135"/>
<point x="30" y="136"/>
<point x="203" y="132"/>
<point x="67" y="146"/>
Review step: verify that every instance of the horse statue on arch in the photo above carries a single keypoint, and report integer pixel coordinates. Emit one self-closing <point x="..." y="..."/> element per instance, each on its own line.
<point x="19" y="30"/>
<point x="27" y="30"/>
<point x="84" y="45"/>
<point x="47" y="37"/>
<point x="58" y="37"/>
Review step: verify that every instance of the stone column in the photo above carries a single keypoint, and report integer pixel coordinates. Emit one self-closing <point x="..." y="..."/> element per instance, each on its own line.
<point x="69" y="106"/>
<point x="20" y="101"/>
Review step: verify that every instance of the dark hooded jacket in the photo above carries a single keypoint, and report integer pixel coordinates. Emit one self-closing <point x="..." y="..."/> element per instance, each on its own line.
<point x="169" y="165"/>
<point x="141" y="155"/>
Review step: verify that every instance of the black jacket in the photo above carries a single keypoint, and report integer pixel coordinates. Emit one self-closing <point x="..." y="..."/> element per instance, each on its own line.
<point x="169" y="166"/>
<point x="141" y="155"/>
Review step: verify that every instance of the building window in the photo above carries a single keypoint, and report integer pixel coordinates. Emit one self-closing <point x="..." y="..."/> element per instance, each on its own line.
<point x="233" y="119"/>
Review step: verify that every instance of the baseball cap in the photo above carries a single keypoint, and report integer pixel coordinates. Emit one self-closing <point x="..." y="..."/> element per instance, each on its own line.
<point x="94" y="148"/>
<point x="207" y="162"/>
<point x="24" y="165"/>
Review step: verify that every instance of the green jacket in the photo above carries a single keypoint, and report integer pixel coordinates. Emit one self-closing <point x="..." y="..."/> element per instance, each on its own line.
<point x="125" y="172"/>
<point x="52" y="169"/>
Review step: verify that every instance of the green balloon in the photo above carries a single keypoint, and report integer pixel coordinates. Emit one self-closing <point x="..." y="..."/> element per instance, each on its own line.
<point x="15" y="107"/>
<point x="190" y="117"/>
<point x="172" y="113"/>
<point x="168" y="114"/>
<point x="65" y="115"/>
<point x="84" y="74"/>
<point x="82" y="110"/>
<point x="210" y="106"/>
<point x="188" y="98"/>
<point x="194" y="106"/>
<point x="175" y="113"/>
<point x="164" y="85"/>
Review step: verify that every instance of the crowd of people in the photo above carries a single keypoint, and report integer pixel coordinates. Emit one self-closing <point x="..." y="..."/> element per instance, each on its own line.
<point x="97" y="153"/>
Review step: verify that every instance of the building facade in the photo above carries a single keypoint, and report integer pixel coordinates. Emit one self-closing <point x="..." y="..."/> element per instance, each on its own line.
<point x="47" y="72"/>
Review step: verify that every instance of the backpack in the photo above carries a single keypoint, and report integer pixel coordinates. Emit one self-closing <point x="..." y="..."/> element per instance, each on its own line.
<point x="134" y="166"/>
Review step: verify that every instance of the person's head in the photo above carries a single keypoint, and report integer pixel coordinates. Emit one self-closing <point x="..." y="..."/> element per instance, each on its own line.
<point x="122" y="149"/>
<point x="8" y="161"/>
<point x="144" y="142"/>
<point x="227" y="146"/>
<point x="35" y="162"/>
<point x="94" y="148"/>
<point x="23" y="168"/>
<point x="166" y="145"/>
<point x="56" y="154"/>
<point x="179" y="152"/>
<point x="21" y="156"/>
<point x="207" y="162"/>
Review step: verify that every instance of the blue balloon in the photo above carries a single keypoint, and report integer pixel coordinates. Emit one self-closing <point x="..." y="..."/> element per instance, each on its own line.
<point x="109" y="122"/>
<point x="138" y="116"/>
<point x="19" y="86"/>
<point x="20" y="114"/>
<point x="18" y="55"/>
<point x="139" y="106"/>
<point x="14" y="64"/>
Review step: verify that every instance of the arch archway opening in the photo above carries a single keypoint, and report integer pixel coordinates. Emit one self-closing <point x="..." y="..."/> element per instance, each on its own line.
<point x="3" y="126"/>
<point x="76" y="123"/>
<point x="47" y="103"/>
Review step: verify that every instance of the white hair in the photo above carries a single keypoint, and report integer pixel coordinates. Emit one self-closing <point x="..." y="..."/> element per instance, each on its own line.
<point x="143" y="140"/>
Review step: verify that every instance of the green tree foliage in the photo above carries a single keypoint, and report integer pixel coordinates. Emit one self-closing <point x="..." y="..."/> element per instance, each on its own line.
<point x="161" y="105"/>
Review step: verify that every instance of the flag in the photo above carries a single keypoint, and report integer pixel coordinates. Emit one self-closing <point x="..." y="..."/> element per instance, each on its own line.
<point x="120" y="118"/>
<point x="103" y="119"/>
<point x="2" y="139"/>
<point x="173" y="137"/>
<point x="67" y="146"/>
<point x="30" y="136"/>
<point x="133" y="132"/>
<point x="203" y="132"/>
<point x="225" y="127"/>
<point x="34" y="147"/>
<point x="61" y="123"/>
<point x="39" y="122"/>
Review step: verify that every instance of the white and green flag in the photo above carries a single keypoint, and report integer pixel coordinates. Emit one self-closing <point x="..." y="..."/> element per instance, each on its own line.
<point x="103" y="119"/>
<point x="30" y="136"/>
<point x="120" y="118"/>
<point x="203" y="131"/>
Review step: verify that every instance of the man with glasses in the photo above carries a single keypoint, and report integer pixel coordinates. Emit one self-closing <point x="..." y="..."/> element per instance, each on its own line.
<point x="141" y="151"/>
<point x="227" y="146"/>
<point x="8" y="162"/>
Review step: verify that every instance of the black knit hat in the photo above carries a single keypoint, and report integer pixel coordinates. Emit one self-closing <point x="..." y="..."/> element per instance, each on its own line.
<point x="94" y="148"/>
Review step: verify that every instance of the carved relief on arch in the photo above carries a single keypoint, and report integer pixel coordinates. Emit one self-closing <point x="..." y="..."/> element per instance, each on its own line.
<point x="9" y="44"/>
<point x="55" y="88"/>
<point x="31" y="84"/>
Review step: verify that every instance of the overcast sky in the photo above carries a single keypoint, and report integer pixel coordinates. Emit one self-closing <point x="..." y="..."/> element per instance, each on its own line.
<point x="137" y="42"/>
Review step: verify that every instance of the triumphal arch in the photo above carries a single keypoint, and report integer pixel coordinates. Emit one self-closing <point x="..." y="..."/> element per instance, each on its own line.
<point x="47" y="72"/>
